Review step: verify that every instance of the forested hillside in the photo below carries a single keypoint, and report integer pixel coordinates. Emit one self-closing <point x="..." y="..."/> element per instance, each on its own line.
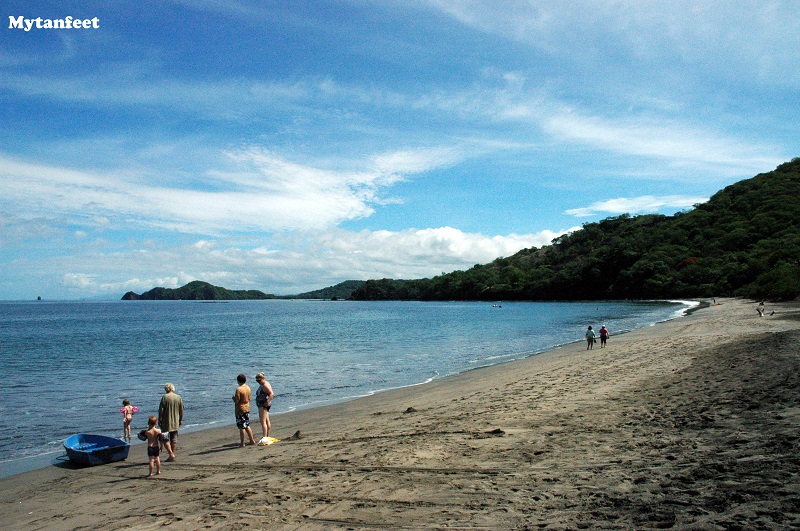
<point x="342" y="290"/>
<point x="744" y="241"/>
<point x="196" y="291"/>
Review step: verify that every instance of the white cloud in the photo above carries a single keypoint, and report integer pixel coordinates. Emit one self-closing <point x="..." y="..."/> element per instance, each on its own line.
<point x="257" y="191"/>
<point x="535" y="119"/>
<point x="633" y="205"/>
<point x="724" y="36"/>
<point x="429" y="249"/>
<point x="527" y="111"/>
<point x="15" y="231"/>
<point x="84" y="284"/>
<point x="288" y="263"/>
<point x="413" y="161"/>
<point x="133" y="86"/>
<point x="684" y="147"/>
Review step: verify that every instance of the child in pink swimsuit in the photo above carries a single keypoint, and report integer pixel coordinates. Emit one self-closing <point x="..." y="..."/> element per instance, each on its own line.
<point x="127" y="411"/>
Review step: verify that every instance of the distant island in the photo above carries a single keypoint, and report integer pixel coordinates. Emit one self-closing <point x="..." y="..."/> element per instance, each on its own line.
<point x="203" y="291"/>
<point x="745" y="241"/>
<point x="196" y="291"/>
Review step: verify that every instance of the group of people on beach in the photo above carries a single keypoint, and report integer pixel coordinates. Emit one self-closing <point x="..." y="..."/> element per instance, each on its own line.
<point x="591" y="337"/>
<point x="162" y="430"/>
<point x="241" y="401"/>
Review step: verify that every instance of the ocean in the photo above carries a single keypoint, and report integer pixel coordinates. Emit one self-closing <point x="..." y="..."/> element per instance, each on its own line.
<point x="67" y="366"/>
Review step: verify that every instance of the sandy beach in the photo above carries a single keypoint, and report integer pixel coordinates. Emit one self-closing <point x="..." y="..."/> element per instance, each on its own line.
<point x="692" y="423"/>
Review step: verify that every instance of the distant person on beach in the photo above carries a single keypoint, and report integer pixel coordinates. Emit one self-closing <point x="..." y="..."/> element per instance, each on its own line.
<point x="127" y="411"/>
<point x="153" y="450"/>
<point x="264" y="396"/>
<point x="170" y="416"/>
<point x="241" y="401"/>
<point x="603" y="336"/>
<point x="589" y="335"/>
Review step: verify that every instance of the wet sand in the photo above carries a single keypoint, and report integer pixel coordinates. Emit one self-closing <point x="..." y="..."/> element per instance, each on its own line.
<point x="693" y="423"/>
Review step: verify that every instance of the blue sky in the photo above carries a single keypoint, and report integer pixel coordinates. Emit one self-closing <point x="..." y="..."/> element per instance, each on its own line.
<point x="288" y="146"/>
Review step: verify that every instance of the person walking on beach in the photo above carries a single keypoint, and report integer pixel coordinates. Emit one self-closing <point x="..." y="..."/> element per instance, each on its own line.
<point x="127" y="411"/>
<point x="241" y="401"/>
<point x="589" y="335"/>
<point x="153" y="450"/>
<point x="264" y="396"/>
<point x="170" y="416"/>
<point x="603" y="336"/>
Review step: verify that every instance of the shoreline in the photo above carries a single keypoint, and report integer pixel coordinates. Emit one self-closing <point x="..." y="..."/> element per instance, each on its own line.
<point x="55" y="457"/>
<point x="678" y="424"/>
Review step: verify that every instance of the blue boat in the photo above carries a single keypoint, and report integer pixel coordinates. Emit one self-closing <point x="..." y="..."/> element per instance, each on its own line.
<point x="88" y="450"/>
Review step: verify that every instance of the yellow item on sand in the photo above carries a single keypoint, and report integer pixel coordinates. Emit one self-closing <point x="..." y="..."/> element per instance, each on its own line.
<point x="267" y="440"/>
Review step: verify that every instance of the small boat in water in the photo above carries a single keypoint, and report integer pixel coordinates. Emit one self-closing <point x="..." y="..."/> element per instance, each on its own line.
<point x="88" y="450"/>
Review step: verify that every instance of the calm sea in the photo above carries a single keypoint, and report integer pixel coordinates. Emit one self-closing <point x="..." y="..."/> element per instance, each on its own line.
<point x="67" y="366"/>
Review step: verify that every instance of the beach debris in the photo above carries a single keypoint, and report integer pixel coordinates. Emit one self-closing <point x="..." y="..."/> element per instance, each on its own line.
<point x="297" y="435"/>
<point x="410" y="410"/>
<point x="497" y="432"/>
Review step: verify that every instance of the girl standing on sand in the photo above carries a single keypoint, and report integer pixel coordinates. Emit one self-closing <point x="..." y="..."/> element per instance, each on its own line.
<point x="127" y="411"/>
<point x="264" y="396"/>
<point x="589" y="335"/>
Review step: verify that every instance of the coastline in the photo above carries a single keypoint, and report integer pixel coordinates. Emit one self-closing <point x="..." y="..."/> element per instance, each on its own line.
<point x="560" y="439"/>
<point x="509" y="340"/>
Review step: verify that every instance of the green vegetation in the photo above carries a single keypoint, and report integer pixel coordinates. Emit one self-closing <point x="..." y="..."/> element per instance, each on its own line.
<point x="203" y="291"/>
<point x="196" y="291"/>
<point x="744" y="241"/>
<point x="341" y="291"/>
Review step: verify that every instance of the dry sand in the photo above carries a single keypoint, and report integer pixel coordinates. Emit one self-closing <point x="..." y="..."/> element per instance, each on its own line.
<point x="691" y="423"/>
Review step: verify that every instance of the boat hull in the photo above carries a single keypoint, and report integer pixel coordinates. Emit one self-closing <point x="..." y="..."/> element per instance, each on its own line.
<point x="85" y="449"/>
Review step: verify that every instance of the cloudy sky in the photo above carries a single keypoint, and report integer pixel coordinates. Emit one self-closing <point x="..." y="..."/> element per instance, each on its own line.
<point x="288" y="146"/>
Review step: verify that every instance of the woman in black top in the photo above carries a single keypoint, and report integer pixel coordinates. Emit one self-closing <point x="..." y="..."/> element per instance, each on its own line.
<point x="264" y="396"/>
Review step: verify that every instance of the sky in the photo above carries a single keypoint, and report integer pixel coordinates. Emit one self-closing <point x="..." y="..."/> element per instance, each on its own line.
<point x="288" y="146"/>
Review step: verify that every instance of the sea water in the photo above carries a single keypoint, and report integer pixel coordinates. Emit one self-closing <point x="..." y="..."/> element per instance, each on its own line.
<point x="67" y="366"/>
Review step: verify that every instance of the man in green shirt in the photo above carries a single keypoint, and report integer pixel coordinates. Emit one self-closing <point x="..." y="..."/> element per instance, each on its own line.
<point x="170" y="414"/>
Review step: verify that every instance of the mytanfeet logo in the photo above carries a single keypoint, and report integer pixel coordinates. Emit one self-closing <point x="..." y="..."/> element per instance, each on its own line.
<point x="27" y="24"/>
